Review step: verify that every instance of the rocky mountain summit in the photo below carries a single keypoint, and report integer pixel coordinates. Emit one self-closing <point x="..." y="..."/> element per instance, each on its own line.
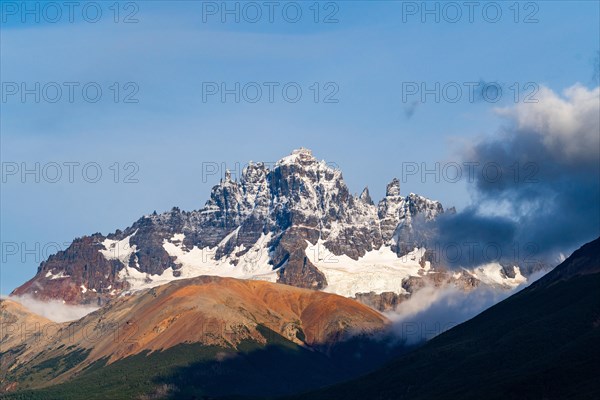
<point x="294" y="223"/>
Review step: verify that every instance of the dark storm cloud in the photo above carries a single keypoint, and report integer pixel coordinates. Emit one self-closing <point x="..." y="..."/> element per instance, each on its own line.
<point x="467" y="239"/>
<point x="541" y="174"/>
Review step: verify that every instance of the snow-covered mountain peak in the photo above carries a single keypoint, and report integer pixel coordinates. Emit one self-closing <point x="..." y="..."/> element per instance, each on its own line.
<point x="298" y="156"/>
<point x="263" y="225"/>
<point x="302" y="161"/>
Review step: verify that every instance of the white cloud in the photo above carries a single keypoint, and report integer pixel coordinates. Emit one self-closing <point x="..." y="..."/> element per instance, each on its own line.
<point x="569" y="125"/>
<point x="431" y="311"/>
<point x="54" y="310"/>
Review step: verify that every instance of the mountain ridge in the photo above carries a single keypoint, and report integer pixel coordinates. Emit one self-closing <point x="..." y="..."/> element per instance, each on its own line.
<point x="263" y="226"/>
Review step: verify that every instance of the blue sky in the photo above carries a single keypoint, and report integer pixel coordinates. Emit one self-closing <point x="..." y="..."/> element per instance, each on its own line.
<point x="170" y="132"/>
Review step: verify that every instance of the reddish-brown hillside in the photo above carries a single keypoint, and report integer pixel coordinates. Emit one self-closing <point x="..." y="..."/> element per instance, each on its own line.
<point x="212" y="311"/>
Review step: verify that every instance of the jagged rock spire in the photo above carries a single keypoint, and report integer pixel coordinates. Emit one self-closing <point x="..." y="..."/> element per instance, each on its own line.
<point x="393" y="188"/>
<point x="365" y="197"/>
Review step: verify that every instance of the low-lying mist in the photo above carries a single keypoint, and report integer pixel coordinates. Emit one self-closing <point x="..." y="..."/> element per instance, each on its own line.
<point x="54" y="310"/>
<point x="431" y="311"/>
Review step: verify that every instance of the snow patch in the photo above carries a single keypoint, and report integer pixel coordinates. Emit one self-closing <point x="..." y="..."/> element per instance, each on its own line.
<point x="253" y="264"/>
<point x="60" y="275"/>
<point x="492" y="274"/>
<point x="377" y="271"/>
<point x="118" y="249"/>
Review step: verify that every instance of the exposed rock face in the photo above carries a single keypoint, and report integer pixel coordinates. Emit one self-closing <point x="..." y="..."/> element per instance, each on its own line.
<point x="81" y="264"/>
<point x="386" y="301"/>
<point x="259" y="227"/>
<point x="397" y="213"/>
<point x="294" y="266"/>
